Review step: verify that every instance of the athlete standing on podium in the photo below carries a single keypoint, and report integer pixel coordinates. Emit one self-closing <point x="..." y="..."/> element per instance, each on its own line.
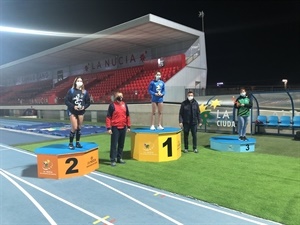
<point x="157" y="91"/>
<point x="77" y="100"/>
<point x="243" y="104"/>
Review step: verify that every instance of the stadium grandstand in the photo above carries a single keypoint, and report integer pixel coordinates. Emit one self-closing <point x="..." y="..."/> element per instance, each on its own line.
<point x="124" y="57"/>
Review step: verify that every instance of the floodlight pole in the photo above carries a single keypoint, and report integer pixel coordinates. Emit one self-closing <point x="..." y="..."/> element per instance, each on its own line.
<point x="201" y="14"/>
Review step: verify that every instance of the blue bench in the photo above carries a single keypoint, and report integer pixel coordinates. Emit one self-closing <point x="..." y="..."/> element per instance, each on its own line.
<point x="275" y="122"/>
<point x="285" y="122"/>
<point x="296" y="122"/>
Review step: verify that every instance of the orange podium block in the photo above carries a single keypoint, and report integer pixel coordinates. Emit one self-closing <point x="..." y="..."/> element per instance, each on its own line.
<point x="57" y="161"/>
<point x="156" y="146"/>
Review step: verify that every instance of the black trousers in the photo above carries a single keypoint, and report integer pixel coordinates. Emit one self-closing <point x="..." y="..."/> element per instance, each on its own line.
<point x="117" y="141"/>
<point x="186" y="130"/>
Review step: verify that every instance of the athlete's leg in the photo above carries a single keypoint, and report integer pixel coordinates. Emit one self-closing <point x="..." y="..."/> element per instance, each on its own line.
<point x="154" y="107"/>
<point x="160" y="110"/>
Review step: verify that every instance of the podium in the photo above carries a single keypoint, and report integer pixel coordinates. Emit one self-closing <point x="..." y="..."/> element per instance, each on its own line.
<point x="57" y="161"/>
<point x="157" y="145"/>
<point x="232" y="144"/>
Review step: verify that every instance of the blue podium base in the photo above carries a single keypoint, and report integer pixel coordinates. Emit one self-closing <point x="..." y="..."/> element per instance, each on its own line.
<point x="62" y="149"/>
<point x="232" y="144"/>
<point x="147" y="130"/>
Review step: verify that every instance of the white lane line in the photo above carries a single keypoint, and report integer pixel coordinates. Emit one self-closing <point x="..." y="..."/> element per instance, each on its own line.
<point x="135" y="200"/>
<point x="6" y="147"/>
<point x="155" y="191"/>
<point x="59" y="198"/>
<point x="39" y="207"/>
<point x="32" y="133"/>
<point x="184" y="200"/>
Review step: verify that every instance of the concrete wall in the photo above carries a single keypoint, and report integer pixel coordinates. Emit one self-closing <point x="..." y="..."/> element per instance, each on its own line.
<point x="140" y="113"/>
<point x="185" y="78"/>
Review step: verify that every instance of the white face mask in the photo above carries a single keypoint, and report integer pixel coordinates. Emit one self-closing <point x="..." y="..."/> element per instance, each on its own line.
<point x="157" y="77"/>
<point x="243" y="94"/>
<point x="79" y="84"/>
<point x="190" y="98"/>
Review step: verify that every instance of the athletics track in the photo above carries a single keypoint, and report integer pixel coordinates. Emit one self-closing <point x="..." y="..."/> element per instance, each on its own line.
<point x="92" y="199"/>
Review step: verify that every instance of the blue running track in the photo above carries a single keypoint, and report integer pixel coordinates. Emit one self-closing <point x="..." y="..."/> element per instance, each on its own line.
<point x="94" y="199"/>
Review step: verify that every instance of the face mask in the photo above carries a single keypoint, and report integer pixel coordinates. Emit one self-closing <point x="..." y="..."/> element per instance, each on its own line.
<point x="119" y="98"/>
<point x="190" y="98"/>
<point x="157" y="77"/>
<point x="79" y="84"/>
<point x="243" y="94"/>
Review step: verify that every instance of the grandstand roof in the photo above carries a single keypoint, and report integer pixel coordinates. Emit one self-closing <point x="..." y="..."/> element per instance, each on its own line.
<point x="145" y="32"/>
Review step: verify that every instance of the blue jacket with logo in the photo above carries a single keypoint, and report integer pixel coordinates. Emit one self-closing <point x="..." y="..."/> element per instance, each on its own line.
<point x="156" y="86"/>
<point x="78" y="98"/>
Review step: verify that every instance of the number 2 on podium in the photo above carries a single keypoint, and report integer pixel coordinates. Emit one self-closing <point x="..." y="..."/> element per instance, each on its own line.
<point x="73" y="162"/>
<point x="168" y="143"/>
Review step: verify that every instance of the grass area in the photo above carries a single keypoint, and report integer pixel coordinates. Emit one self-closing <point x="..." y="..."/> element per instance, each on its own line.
<point x="264" y="183"/>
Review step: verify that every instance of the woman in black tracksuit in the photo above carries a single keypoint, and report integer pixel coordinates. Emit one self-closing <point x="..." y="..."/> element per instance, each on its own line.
<point x="77" y="100"/>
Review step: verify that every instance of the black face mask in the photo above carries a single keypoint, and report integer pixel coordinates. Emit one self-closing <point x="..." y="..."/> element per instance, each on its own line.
<point x="119" y="98"/>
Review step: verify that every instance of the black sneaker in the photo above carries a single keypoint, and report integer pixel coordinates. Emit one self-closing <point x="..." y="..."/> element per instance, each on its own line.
<point x="245" y="139"/>
<point x="241" y="138"/>
<point x="121" y="161"/>
<point x="78" y="145"/>
<point x="71" y="146"/>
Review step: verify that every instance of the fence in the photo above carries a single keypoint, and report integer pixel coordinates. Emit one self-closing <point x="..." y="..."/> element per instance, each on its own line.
<point x="220" y="115"/>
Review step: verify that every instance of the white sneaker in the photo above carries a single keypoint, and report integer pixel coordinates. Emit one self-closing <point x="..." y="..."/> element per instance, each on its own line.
<point x="152" y="127"/>
<point x="160" y="127"/>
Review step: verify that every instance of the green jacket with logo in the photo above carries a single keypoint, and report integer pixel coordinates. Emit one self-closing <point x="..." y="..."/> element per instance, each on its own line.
<point x="243" y="110"/>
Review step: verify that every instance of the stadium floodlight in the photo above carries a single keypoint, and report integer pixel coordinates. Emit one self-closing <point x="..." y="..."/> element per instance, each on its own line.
<point x="39" y="32"/>
<point x="53" y="33"/>
<point x="284" y="82"/>
<point x="219" y="84"/>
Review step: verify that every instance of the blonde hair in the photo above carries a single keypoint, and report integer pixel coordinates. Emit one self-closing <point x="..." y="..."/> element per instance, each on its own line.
<point x="74" y="83"/>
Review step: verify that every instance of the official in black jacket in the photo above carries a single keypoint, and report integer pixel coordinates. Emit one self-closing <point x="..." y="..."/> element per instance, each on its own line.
<point x="189" y="120"/>
<point x="77" y="101"/>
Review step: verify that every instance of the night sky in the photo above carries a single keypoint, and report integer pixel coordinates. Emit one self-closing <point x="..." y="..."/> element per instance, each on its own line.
<point x="247" y="42"/>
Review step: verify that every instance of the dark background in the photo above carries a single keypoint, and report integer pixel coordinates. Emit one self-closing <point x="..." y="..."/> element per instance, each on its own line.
<point x="247" y="42"/>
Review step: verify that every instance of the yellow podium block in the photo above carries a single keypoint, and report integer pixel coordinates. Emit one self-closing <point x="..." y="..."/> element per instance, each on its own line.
<point x="57" y="161"/>
<point x="156" y="146"/>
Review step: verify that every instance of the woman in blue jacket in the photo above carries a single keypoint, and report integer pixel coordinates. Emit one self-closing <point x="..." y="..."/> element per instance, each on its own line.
<point x="77" y="101"/>
<point x="157" y="91"/>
